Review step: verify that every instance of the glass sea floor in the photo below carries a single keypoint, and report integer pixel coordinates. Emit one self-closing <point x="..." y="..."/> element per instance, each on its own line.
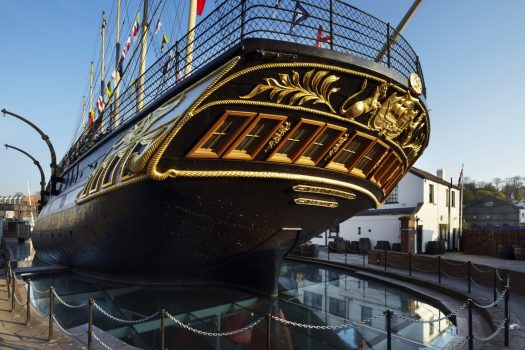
<point x="313" y="311"/>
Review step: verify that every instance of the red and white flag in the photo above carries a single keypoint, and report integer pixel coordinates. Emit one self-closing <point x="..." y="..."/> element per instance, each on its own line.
<point x="135" y="29"/>
<point x="322" y="38"/>
<point x="100" y="103"/>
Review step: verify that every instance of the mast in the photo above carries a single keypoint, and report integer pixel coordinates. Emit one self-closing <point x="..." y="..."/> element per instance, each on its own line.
<point x="101" y="126"/>
<point x="192" y="17"/>
<point x="143" y="48"/>
<point x="115" y="117"/>
<point x="91" y="73"/>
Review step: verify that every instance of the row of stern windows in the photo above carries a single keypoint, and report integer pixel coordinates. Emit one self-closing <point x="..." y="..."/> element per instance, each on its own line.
<point x="244" y="135"/>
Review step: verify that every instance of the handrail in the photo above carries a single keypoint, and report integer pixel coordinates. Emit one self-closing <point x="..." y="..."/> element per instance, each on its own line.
<point x="353" y="32"/>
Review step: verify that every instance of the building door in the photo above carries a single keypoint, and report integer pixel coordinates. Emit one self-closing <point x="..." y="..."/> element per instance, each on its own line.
<point x="419" y="239"/>
<point x="444" y="235"/>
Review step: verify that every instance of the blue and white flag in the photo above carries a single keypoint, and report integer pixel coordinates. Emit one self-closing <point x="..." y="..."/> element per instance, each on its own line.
<point x="299" y="15"/>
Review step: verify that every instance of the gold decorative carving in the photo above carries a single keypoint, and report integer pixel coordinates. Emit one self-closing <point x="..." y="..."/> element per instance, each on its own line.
<point x="395" y="114"/>
<point x="323" y="190"/>
<point x="415" y="83"/>
<point x="337" y="145"/>
<point x="278" y="135"/>
<point x="368" y="105"/>
<point x="316" y="202"/>
<point x="315" y="88"/>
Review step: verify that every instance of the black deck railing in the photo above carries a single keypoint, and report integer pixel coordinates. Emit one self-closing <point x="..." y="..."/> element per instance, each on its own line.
<point x="352" y="31"/>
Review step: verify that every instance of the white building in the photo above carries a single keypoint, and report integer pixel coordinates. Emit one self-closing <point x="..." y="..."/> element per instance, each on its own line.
<point x="432" y="201"/>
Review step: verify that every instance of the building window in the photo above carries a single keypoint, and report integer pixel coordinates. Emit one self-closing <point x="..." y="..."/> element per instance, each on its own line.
<point x="314" y="300"/>
<point x="431" y="193"/>
<point x="453" y="199"/>
<point x="337" y="307"/>
<point x="393" y="198"/>
<point x="366" y="313"/>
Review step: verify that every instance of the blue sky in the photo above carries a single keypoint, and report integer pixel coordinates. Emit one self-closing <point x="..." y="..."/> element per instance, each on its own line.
<point x="472" y="53"/>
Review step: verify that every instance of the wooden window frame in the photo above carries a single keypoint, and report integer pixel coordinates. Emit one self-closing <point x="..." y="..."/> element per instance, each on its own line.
<point x="275" y="156"/>
<point x="393" y="179"/>
<point x="343" y="168"/>
<point x="361" y="173"/>
<point x="231" y="153"/>
<point x="197" y="152"/>
<point x="381" y="174"/>
<point x="302" y="159"/>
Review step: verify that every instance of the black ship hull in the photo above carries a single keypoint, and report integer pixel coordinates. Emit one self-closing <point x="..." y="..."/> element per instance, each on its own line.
<point x="224" y="174"/>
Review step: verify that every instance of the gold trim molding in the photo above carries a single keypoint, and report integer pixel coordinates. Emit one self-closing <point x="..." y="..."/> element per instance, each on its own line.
<point x="324" y="190"/>
<point x="316" y="202"/>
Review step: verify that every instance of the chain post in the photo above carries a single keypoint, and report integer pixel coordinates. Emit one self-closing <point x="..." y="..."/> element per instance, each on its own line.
<point x="13" y="290"/>
<point x="363" y="261"/>
<point x="28" y="302"/>
<point x="162" y="313"/>
<point x="495" y="284"/>
<point x="268" y="330"/>
<point x="51" y="311"/>
<point x="385" y="258"/>
<point x="410" y="264"/>
<point x="468" y="275"/>
<point x="439" y="269"/>
<point x="507" y="310"/>
<point x="90" y="324"/>
<point x="8" y="279"/>
<point x="346" y="253"/>
<point x="388" y="315"/>
<point x="470" y="334"/>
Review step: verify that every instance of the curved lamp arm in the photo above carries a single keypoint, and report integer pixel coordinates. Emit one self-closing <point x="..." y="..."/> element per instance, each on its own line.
<point x="42" y="176"/>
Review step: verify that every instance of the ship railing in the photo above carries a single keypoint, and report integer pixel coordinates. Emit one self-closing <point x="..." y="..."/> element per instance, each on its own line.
<point x="351" y="31"/>
<point x="163" y="316"/>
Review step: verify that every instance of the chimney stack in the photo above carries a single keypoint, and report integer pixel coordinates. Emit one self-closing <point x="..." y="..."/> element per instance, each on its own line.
<point x="441" y="174"/>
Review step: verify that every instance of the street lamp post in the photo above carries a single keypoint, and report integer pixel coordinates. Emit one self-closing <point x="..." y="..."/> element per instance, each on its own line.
<point x="42" y="176"/>
<point x="53" y="165"/>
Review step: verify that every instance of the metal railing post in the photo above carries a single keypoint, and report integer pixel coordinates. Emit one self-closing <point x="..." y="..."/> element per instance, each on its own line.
<point x="162" y="312"/>
<point x="470" y="335"/>
<point x="410" y="264"/>
<point x="28" y="302"/>
<point x="331" y="24"/>
<point x="243" y="17"/>
<point x="439" y="269"/>
<point x="388" y="315"/>
<point x="468" y="275"/>
<point x="90" y="324"/>
<point x="51" y="311"/>
<point x="8" y="279"/>
<point x="507" y="311"/>
<point x="13" y="290"/>
<point x="268" y="331"/>
<point x="388" y="44"/>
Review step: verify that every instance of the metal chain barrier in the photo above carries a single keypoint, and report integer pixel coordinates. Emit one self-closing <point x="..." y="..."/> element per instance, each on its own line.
<point x="344" y="325"/>
<point x="478" y="269"/>
<point x="453" y="264"/>
<point x="39" y="291"/>
<point x="497" y="274"/>
<point x="423" y="257"/>
<point x="18" y="302"/>
<point x="100" y="341"/>
<point x="449" y="276"/>
<point x="493" y="335"/>
<point x="66" y="304"/>
<point x="396" y="266"/>
<point x="65" y="330"/>
<point x="213" y="334"/>
<point x="39" y="314"/>
<point x="105" y="313"/>
<point x="498" y="300"/>
<point x="445" y="317"/>
<point x="460" y="344"/>
<point x="477" y="285"/>
<point x="422" y="270"/>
